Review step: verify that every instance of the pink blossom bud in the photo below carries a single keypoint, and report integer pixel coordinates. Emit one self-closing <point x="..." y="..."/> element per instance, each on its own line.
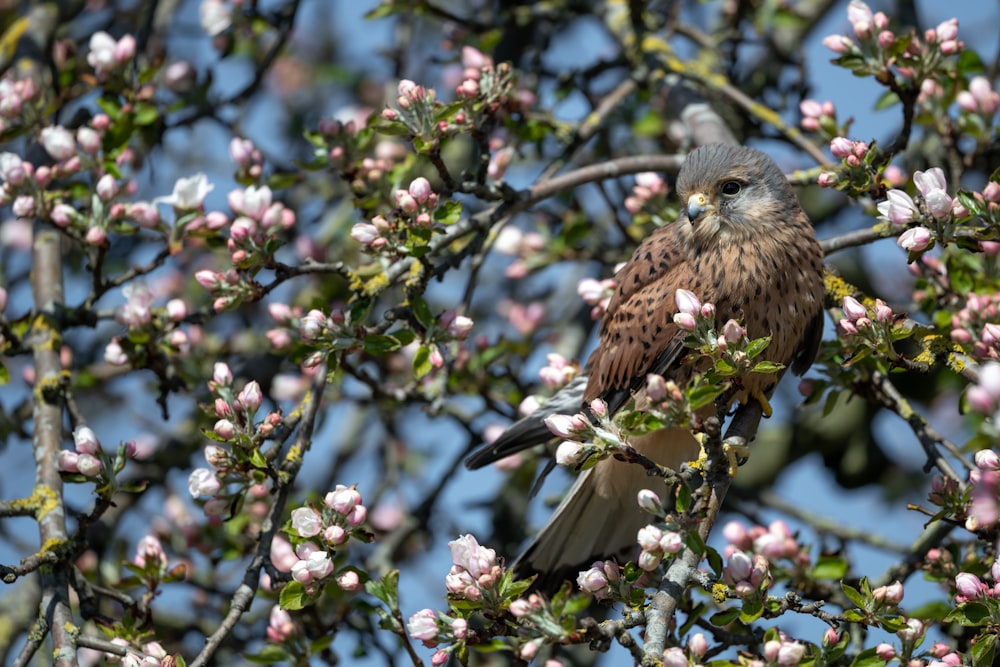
<point x="838" y="43"/>
<point x="883" y="313"/>
<point x="649" y="501"/>
<point x="422" y="626"/>
<point x="738" y="566"/>
<point x="732" y="332"/>
<point x="685" y="321"/>
<point x="841" y="147"/>
<point x="698" y="645"/>
<point x="203" y="482"/>
<point x="987" y="459"/>
<point x="687" y="302"/>
<point x="969" y="585"/>
<point x="251" y="397"/>
<point x="85" y="440"/>
<point x="210" y="280"/>
<point x="791" y="653"/>
<point x="66" y="461"/>
<point x="58" y="142"/>
<point x="674" y="657"/>
<point x="89" y="465"/>
<point x="568" y="453"/>
<point x="598" y="408"/>
<point x="349" y="581"/>
<point x="649" y="538"/>
<point x="334" y="535"/>
<point x="565" y="426"/>
<point x="853" y="309"/>
<point x="306" y="522"/>
<point x="593" y="580"/>
<point x="915" y="239"/>
<point x="420" y="189"/>
<point x="671" y="542"/>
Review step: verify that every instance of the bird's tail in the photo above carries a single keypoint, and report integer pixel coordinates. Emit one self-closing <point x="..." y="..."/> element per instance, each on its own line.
<point x="599" y="517"/>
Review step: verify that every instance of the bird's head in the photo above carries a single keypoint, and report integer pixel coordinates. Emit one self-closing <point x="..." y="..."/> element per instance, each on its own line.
<point x="732" y="194"/>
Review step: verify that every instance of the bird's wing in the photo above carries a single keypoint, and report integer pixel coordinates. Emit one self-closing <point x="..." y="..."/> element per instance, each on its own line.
<point x="531" y="430"/>
<point x="638" y="334"/>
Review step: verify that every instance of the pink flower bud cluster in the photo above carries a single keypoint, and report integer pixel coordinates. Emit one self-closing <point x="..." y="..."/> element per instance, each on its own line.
<point x="818" y="116"/>
<point x="597" y="293"/>
<point x="784" y="651"/>
<point x="86" y="458"/>
<point x="984" y="396"/>
<point x="977" y="325"/>
<point x="656" y="543"/>
<point x="983" y="510"/>
<point x="558" y="372"/>
<point x="107" y="54"/>
<point x="871" y="328"/>
<point x="280" y="626"/>
<point x="748" y="575"/>
<point x="475" y="571"/>
<point x="599" y="578"/>
<point x="775" y="544"/>
<point x="247" y="157"/>
<point x="320" y="532"/>
<point x="524" y="245"/>
<point x="14" y="94"/>
<point x="258" y="219"/>
<point x="979" y="97"/>
<point x="457" y="326"/>
<point x="970" y="587"/>
<point x="650" y="190"/>
<point x="851" y="152"/>
<point x="474" y="65"/>
<point x="414" y="206"/>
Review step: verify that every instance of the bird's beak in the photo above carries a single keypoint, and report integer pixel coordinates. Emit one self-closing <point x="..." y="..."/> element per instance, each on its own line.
<point x="697" y="206"/>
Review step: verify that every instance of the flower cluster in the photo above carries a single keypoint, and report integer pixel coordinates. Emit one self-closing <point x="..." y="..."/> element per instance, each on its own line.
<point x="317" y="532"/>
<point x="558" y="372"/>
<point x="968" y="586"/>
<point x="878" y="48"/>
<point x="597" y="293"/>
<point x="107" y="54"/>
<point x="86" y="457"/>
<point x="256" y="226"/>
<point x="819" y="117"/>
<point x="477" y="580"/>
<point x="976" y="325"/>
<point x="409" y="224"/>
<point x="525" y="246"/>
<point x="982" y="511"/>
<point x="984" y="396"/>
<point x="649" y="195"/>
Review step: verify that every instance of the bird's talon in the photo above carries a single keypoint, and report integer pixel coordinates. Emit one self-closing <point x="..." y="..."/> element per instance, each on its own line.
<point x="765" y="405"/>
<point x="737" y="453"/>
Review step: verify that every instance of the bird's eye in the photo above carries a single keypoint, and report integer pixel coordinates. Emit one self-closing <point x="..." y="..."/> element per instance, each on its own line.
<point x="731" y="188"/>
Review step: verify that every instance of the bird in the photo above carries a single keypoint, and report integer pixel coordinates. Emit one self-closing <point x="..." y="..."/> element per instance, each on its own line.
<point x="741" y="242"/>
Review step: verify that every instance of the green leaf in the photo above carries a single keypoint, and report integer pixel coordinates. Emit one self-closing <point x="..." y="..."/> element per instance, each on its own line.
<point x="768" y="367"/>
<point x="725" y="617"/>
<point x="868" y="658"/>
<point x="380" y="343"/>
<point x="888" y="99"/>
<point x="385" y="589"/>
<point x="422" y="311"/>
<point x="984" y="649"/>
<point x="293" y="596"/>
<point x="269" y="655"/>
<point x="969" y="614"/>
<point x="257" y="459"/>
<point x="422" y="362"/>
<point x="145" y="114"/>
<point x="752" y="609"/>
<point x="854" y="595"/>
<point x="755" y="347"/>
<point x="683" y="498"/>
<point x="4" y="375"/>
<point x="829" y="567"/>
<point x="448" y="213"/>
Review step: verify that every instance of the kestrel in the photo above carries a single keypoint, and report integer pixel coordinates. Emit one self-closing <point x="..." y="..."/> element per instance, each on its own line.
<point x="742" y="242"/>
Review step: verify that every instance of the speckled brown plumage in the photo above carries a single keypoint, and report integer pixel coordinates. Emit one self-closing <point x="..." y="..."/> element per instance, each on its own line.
<point x="742" y="243"/>
<point x="752" y="254"/>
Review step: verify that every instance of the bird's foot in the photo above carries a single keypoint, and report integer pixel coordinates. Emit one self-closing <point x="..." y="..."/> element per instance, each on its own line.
<point x="765" y="405"/>
<point x="737" y="452"/>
